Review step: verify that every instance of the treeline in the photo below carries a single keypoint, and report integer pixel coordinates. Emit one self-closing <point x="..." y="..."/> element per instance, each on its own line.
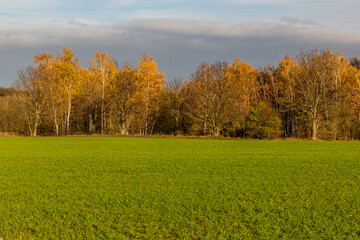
<point x="313" y="95"/>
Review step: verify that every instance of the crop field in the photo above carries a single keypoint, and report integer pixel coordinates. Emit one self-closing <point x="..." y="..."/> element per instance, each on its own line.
<point x="157" y="188"/>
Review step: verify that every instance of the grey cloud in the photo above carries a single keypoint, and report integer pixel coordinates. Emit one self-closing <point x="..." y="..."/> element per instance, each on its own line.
<point x="159" y="29"/>
<point x="297" y="21"/>
<point x="78" y="23"/>
<point x="178" y="45"/>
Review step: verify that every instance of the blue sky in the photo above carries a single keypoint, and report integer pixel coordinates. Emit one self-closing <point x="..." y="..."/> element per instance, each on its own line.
<point x="179" y="33"/>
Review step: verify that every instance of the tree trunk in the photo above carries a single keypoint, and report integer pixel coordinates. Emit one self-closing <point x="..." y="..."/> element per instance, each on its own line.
<point x="30" y="129"/>
<point x="147" y="109"/>
<point x="102" y="102"/>
<point x="292" y="127"/>
<point x="91" y="124"/>
<point x="122" y="129"/>
<point x="205" y="124"/>
<point x="102" y="118"/>
<point x="68" y="117"/>
<point x="216" y="132"/>
<point x="146" y="119"/>
<point x="35" y="127"/>
<point x="153" y="125"/>
<point x="56" y="123"/>
<point x="68" y="109"/>
<point x="314" y="130"/>
<point x="36" y="123"/>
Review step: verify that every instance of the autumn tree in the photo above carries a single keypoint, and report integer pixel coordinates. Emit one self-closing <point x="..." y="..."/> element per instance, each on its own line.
<point x="268" y="86"/>
<point x="45" y="63"/>
<point x="354" y="82"/>
<point x="218" y="97"/>
<point x="123" y="92"/>
<point x="11" y="119"/>
<point x="285" y="76"/>
<point x="354" y="94"/>
<point x="66" y="70"/>
<point x="5" y="116"/>
<point x="244" y="91"/>
<point x="82" y="102"/>
<point x="90" y="103"/>
<point x="355" y="87"/>
<point x="103" y="71"/>
<point x="150" y="84"/>
<point x="338" y="106"/>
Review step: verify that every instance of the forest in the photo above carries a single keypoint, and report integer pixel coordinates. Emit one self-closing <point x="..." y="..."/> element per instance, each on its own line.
<point x="313" y="95"/>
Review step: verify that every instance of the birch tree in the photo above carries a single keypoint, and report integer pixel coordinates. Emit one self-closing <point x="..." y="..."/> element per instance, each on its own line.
<point x="104" y="70"/>
<point x="66" y="70"/>
<point x="150" y="84"/>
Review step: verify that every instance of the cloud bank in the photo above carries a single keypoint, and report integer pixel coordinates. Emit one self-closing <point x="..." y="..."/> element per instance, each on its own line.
<point x="149" y="30"/>
<point x="178" y="45"/>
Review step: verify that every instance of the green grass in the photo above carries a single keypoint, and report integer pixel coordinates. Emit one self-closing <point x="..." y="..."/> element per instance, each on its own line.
<point x="143" y="188"/>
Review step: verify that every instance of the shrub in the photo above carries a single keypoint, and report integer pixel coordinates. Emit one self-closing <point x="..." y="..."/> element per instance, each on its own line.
<point x="263" y="122"/>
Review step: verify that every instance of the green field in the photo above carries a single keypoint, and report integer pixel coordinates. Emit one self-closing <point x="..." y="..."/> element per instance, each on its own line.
<point x="147" y="188"/>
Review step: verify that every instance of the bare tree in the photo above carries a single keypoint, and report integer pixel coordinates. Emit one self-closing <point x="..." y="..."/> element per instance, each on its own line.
<point x="32" y="93"/>
<point x="205" y="98"/>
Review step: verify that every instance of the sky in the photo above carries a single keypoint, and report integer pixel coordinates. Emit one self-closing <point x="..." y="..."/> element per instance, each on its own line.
<point x="180" y="34"/>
